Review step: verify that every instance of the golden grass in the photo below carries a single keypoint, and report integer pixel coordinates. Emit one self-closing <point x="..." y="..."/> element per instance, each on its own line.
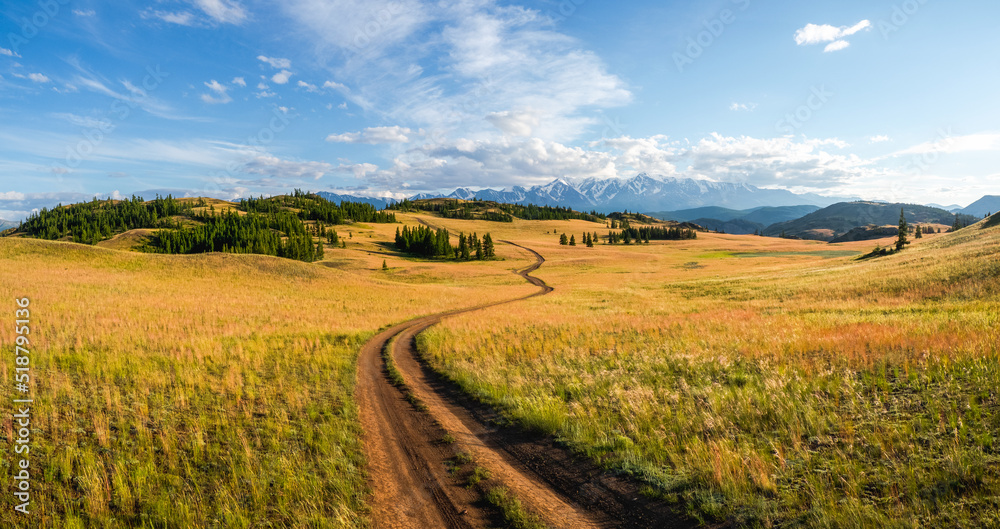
<point x="206" y="390"/>
<point x="763" y="381"/>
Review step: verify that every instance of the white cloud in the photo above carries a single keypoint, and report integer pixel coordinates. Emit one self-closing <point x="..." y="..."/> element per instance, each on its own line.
<point x="308" y="87"/>
<point x="879" y="139"/>
<point x="9" y="53"/>
<point x="514" y="123"/>
<point x="262" y="86"/>
<point x="221" y="96"/>
<point x="947" y="144"/>
<point x="239" y="81"/>
<point x="38" y="78"/>
<point x="264" y="93"/>
<point x="777" y="161"/>
<point x="181" y="18"/>
<point x="84" y="12"/>
<point x="331" y="85"/>
<point x="654" y="155"/>
<point x="836" y="46"/>
<point x="276" y="63"/>
<point x="281" y="77"/>
<point x="223" y="11"/>
<point x="359" y="170"/>
<point x="373" y="135"/>
<point x="269" y="165"/>
<point x="491" y="60"/>
<point x="342" y="106"/>
<point x="12" y="195"/>
<point x="815" y="34"/>
<point x="742" y="107"/>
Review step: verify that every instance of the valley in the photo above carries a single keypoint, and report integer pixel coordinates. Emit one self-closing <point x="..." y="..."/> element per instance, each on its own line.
<point x="724" y="379"/>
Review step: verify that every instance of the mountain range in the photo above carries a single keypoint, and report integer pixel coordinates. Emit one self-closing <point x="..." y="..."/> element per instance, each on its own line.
<point x="737" y="222"/>
<point x="640" y="194"/>
<point x="6" y="224"/>
<point x="987" y="205"/>
<point x="838" y="219"/>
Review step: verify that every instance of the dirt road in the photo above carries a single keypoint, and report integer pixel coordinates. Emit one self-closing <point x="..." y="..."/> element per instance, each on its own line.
<point x="407" y="457"/>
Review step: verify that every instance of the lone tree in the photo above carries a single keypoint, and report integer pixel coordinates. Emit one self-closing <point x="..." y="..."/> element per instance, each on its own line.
<point x="919" y="234"/>
<point x="903" y="228"/>
<point x="563" y="240"/>
<point x="384" y="265"/>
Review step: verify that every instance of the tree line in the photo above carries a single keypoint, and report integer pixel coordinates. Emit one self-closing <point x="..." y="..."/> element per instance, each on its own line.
<point x="467" y="210"/>
<point x="234" y="233"/>
<point x="97" y="220"/>
<point x="426" y="242"/>
<point x="311" y="206"/>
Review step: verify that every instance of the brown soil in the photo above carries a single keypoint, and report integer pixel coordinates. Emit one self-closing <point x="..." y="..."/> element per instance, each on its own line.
<point x="408" y="462"/>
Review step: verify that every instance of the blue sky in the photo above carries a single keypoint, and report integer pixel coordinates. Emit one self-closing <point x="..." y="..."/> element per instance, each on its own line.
<point x="892" y="100"/>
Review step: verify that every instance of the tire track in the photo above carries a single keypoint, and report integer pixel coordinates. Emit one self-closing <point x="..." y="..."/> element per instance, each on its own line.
<point x="411" y="485"/>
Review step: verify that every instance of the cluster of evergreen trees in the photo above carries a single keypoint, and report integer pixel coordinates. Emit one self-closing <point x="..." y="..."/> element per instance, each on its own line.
<point x="588" y="239"/>
<point x="235" y="233"/>
<point x="455" y="209"/>
<point x="97" y="220"/>
<point x="426" y="242"/>
<point x="494" y="211"/>
<point x="654" y="233"/>
<point x="314" y="207"/>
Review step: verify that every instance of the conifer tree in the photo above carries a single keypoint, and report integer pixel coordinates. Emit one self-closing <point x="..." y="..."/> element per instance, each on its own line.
<point x="901" y="238"/>
<point x="572" y="240"/>
<point x="563" y="240"/>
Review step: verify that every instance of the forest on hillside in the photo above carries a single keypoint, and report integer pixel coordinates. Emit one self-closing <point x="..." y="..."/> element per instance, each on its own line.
<point x="269" y="226"/>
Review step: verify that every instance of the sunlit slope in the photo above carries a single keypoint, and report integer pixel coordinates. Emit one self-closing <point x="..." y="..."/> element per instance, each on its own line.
<point x="763" y="381"/>
<point x="209" y="390"/>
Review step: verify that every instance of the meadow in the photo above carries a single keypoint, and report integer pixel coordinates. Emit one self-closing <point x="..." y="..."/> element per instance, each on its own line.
<point x="762" y="382"/>
<point x="207" y="390"/>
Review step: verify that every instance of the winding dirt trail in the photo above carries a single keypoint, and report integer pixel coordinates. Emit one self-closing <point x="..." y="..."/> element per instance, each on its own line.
<point x="411" y="483"/>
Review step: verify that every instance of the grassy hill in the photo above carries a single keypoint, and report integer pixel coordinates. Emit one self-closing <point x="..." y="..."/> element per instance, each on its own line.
<point x="827" y="223"/>
<point x="986" y="205"/>
<point x="282" y="226"/>
<point x="211" y="390"/>
<point x="759" y="381"/>
<point x="737" y="221"/>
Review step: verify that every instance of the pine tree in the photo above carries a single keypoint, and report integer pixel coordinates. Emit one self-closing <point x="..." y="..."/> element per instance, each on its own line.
<point x="572" y="240"/>
<point x="903" y="229"/>
<point x="563" y="240"/>
<point x="384" y="265"/>
<point x="919" y="233"/>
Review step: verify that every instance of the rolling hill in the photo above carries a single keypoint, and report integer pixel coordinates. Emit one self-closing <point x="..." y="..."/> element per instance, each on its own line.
<point x="739" y="222"/>
<point x="980" y="208"/>
<point x="830" y="222"/>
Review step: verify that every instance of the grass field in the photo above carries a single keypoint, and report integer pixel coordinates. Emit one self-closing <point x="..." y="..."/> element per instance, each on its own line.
<point x="763" y="381"/>
<point x="210" y="390"/>
<point x="760" y="381"/>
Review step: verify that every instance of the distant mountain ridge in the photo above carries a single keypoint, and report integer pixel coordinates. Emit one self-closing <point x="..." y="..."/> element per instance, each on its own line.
<point x="838" y="219"/>
<point x="979" y="208"/>
<point x="737" y="222"/>
<point x="7" y="224"/>
<point x="641" y="193"/>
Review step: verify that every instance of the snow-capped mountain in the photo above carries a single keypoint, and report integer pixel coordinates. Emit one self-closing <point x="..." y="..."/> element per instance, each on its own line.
<point x="643" y="193"/>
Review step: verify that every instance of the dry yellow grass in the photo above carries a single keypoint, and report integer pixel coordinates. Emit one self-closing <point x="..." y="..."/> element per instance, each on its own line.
<point x="206" y="390"/>
<point x="764" y="381"/>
